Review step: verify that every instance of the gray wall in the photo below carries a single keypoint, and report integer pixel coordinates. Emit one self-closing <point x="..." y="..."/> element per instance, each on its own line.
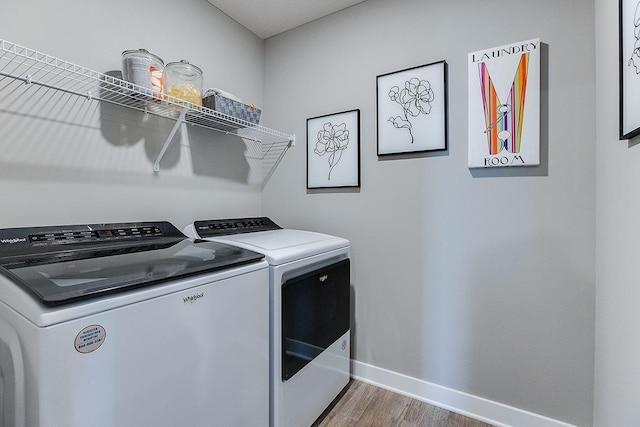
<point x="67" y="160"/>
<point x="482" y="281"/>
<point x="617" y="346"/>
<point x="478" y="280"/>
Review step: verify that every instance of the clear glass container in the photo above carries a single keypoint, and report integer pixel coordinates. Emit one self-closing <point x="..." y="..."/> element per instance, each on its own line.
<point x="184" y="82"/>
<point x="143" y="68"/>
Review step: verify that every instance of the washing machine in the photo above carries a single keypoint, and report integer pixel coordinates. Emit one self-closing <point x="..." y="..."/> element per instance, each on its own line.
<point x="129" y="325"/>
<point x="309" y="281"/>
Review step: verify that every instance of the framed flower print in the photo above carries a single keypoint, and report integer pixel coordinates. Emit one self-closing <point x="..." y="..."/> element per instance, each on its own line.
<point x="629" y="67"/>
<point x="333" y="150"/>
<point x="412" y="109"/>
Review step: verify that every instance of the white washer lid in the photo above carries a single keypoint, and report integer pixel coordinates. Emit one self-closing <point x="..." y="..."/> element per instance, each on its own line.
<point x="285" y="245"/>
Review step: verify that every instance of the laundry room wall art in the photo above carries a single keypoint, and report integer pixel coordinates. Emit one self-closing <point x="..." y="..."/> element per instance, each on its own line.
<point x="629" y="57"/>
<point x="504" y="105"/>
<point x="412" y="109"/>
<point x="333" y="150"/>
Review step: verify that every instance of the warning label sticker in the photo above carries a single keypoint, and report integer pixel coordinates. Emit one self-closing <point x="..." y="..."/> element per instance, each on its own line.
<point x="90" y="338"/>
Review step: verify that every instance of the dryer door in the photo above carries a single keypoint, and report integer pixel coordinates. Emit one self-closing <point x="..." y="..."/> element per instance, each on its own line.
<point x="315" y="313"/>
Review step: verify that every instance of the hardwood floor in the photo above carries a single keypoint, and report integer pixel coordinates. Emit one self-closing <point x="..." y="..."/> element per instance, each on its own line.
<point x="362" y="404"/>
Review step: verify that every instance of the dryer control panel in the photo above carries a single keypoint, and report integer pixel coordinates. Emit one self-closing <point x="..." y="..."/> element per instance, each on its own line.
<point x="222" y="227"/>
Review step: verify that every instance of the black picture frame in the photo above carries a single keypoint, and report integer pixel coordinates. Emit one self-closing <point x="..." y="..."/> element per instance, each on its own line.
<point x="412" y="109"/>
<point x="333" y="150"/>
<point x="629" y="67"/>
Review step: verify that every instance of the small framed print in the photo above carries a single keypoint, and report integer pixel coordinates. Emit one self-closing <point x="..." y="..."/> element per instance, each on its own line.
<point x="333" y="150"/>
<point x="629" y="66"/>
<point x="412" y="109"/>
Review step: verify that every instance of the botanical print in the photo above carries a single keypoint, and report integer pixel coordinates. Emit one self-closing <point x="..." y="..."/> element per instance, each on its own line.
<point x="629" y="68"/>
<point x="412" y="109"/>
<point x="414" y="99"/>
<point x="504" y="105"/>
<point x="635" y="55"/>
<point x="333" y="152"/>
<point x="332" y="140"/>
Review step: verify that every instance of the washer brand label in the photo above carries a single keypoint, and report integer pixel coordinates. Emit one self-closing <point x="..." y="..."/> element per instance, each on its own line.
<point x="323" y="278"/>
<point x="193" y="298"/>
<point x="14" y="240"/>
<point x="90" y="338"/>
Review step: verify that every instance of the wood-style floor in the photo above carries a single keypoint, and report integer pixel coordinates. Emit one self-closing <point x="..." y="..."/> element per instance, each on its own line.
<point x="362" y="404"/>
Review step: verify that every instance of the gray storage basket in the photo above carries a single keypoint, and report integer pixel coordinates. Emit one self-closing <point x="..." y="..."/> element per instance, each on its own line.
<point x="232" y="108"/>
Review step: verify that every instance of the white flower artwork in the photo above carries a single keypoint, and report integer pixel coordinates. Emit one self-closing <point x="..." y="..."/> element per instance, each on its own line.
<point x="412" y="109"/>
<point x="333" y="150"/>
<point x="629" y="68"/>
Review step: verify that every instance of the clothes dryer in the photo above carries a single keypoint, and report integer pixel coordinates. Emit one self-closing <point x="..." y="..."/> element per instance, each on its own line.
<point x="309" y="281"/>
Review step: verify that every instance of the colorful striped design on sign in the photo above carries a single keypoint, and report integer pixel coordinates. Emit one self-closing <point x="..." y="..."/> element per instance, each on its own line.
<point x="504" y="121"/>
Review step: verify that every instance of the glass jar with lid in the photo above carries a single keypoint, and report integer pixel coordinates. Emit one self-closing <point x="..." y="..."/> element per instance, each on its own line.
<point x="144" y="69"/>
<point x="183" y="81"/>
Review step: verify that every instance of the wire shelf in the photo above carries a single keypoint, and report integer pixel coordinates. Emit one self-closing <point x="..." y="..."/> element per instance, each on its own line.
<point x="33" y="67"/>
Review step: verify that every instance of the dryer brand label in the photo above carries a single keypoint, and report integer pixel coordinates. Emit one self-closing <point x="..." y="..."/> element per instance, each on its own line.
<point x="323" y="278"/>
<point x="90" y="338"/>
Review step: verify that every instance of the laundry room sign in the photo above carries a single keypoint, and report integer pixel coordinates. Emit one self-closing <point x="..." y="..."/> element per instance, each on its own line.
<point x="504" y="105"/>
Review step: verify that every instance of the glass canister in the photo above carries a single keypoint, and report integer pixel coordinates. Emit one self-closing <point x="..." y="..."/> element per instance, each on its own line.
<point x="183" y="81"/>
<point x="144" y="69"/>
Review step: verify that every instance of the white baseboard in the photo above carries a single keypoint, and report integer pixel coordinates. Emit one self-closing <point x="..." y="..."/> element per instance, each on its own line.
<point x="460" y="402"/>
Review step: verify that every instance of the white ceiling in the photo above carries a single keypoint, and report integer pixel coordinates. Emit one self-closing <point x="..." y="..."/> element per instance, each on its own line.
<point x="266" y="18"/>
